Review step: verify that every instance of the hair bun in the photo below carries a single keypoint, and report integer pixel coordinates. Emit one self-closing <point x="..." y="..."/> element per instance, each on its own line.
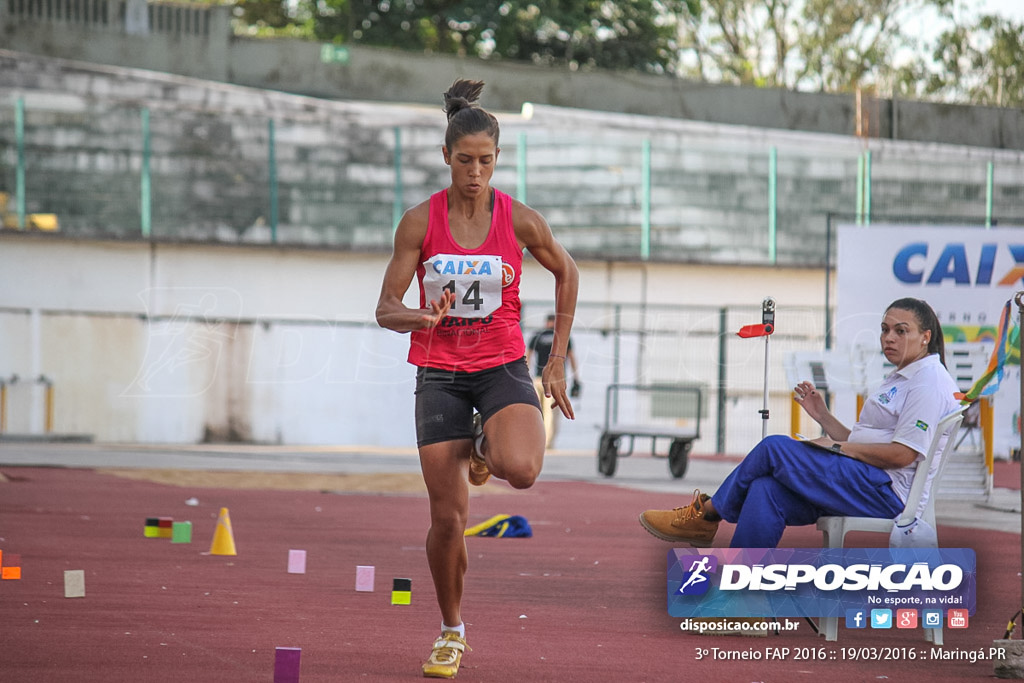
<point x="465" y="116"/>
<point x="462" y="95"/>
<point x="454" y="104"/>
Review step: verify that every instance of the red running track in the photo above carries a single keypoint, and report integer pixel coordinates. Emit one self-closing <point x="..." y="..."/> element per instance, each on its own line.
<point x="583" y="600"/>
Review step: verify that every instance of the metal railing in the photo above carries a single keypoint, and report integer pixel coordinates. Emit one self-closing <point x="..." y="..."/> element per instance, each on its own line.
<point x="125" y="171"/>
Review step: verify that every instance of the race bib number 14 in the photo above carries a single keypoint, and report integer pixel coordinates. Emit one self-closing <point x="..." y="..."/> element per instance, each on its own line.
<point x="475" y="280"/>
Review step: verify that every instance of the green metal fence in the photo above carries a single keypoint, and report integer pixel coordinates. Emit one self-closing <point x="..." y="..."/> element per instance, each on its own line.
<point x="692" y="345"/>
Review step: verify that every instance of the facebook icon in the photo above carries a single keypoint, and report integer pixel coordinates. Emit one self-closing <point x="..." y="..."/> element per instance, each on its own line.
<point x="856" y="618"/>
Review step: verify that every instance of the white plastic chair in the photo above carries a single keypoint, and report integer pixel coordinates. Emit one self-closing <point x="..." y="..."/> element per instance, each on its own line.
<point x="834" y="529"/>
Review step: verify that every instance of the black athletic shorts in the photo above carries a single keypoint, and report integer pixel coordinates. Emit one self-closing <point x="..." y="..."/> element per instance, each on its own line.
<point x="445" y="399"/>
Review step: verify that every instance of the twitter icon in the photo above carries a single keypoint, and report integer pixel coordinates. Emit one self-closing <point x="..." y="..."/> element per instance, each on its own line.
<point x="881" y="618"/>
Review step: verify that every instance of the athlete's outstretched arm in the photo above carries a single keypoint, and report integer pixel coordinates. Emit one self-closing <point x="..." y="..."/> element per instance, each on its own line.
<point x="391" y="312"/>
<point x="534" y="234"/>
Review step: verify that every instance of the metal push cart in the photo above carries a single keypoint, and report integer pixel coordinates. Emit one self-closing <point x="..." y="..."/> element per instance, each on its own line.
<point x="654" y="411"/>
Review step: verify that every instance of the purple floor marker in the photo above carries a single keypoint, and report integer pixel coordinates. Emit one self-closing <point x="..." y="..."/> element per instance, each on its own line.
<point x="286" y="664"/>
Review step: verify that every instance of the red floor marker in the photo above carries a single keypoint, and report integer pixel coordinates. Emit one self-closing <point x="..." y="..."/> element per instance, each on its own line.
<point x="11" y="567"/>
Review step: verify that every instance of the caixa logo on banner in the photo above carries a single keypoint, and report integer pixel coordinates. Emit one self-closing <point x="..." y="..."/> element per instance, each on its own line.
<point x="916" y="263"/>
<point x="793" y="582"/>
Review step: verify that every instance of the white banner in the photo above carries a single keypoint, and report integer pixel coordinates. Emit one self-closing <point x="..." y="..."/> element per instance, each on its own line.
<point x="966" y="273"/>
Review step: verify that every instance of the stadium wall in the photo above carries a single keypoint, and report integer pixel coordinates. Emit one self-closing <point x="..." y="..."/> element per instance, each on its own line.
<point x="189" y="343"/>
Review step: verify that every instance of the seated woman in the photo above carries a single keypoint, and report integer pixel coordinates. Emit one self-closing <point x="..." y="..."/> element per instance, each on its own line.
<point x="865" y="471"/>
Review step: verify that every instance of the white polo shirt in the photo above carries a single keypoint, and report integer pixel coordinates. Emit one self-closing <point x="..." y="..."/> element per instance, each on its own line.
<point x="905" y="409"/>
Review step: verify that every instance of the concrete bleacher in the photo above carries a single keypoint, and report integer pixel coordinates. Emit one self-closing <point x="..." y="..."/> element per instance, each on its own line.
<point x="338" y="185"/>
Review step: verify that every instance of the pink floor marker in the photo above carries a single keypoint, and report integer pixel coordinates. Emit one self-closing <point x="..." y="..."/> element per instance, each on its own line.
<point x="286" y="664"/>
<point x="364" y="578"/>
<point x="296" y="561"/>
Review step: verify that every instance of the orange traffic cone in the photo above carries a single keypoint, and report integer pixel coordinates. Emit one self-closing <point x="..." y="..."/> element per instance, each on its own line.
<point x="223" y="539"/>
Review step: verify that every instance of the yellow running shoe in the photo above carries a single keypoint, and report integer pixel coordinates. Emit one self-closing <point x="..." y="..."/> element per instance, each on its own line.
<point x="447" y="655"/>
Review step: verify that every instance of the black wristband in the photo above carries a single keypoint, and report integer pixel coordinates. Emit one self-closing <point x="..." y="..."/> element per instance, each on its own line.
<point x="837" y="448"/>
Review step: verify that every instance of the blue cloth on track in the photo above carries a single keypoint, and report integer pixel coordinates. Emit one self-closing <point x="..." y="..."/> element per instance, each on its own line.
<point x="502" y="526"/>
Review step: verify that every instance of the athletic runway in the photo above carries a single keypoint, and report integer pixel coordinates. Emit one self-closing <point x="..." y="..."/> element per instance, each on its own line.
<point x="583" y="600"/>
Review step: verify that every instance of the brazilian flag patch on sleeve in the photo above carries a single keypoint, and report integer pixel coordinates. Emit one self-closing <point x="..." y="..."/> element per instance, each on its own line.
<point x="922" y="425"/>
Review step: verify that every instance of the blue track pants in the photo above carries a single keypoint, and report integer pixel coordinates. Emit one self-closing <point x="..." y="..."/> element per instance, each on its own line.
<point x="783" y="482"/>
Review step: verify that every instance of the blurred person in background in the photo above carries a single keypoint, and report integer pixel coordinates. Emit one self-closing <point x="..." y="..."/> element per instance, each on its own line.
<point x="537" y="353"/>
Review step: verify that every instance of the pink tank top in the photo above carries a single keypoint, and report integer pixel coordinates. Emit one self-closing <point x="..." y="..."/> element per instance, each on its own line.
<point x="482" y="329"/>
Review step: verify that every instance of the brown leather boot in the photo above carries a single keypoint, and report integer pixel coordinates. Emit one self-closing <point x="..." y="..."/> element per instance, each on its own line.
<point x="682" y="525"/>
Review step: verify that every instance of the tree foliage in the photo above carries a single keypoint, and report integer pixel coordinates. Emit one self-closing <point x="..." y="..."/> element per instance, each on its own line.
<point x="981" y="64"/>
<point x="638" y="35"/>
<point x="595" y="33"/>
<point x="816" y="45"/>
<point x="826" y="45"/>
<point x="262" y="13"/>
